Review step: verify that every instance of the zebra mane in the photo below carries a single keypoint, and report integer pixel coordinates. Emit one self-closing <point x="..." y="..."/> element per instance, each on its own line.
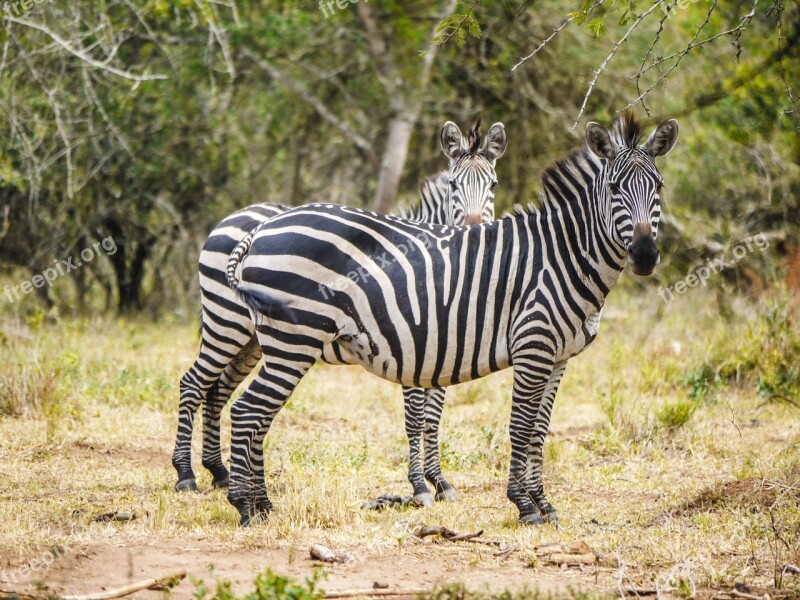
<point x="416" y="211"/>
<point x="475" y="137"/>
<point x="627" y="131"/>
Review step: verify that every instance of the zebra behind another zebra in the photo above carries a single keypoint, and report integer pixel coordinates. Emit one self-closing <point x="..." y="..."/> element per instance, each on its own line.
<point x="526" y="291"/>
<point x="229" y="352"/>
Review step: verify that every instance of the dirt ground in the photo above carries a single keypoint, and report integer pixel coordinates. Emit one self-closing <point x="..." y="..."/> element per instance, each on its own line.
<point x="99" y="567"/>
<point x="696" y="503"/>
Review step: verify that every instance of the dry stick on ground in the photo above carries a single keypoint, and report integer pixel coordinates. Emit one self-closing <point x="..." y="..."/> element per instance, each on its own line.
<point x="17" y="595"/>
<point x="169" y="578"/>
<point x="374" y="592"/>
<point x="451" y="536"/>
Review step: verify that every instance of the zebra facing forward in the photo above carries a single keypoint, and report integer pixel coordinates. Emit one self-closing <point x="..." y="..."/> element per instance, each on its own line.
<point x="229" y="351"/>
<point x="451" y="304"/>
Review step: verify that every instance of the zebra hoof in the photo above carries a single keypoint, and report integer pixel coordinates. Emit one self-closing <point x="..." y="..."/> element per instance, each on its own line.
<point x="531" y="519"/>
<point x="551" y="517"/>
<point x="425" y="499"/>
<point x="448" y="495"/>
<point x="186" y="485"/>
<point x="219" y="484"/>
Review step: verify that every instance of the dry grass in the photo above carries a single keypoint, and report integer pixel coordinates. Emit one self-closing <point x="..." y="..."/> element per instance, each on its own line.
<point x="707" y="500"/>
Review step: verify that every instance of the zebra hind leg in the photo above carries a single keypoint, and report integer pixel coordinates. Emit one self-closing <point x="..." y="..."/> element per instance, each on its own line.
<point x="217" y="398"/>
<point x="194" y="387"/>
<point x="251" y="416"/>
<point x="414" y="400"/>
<point x="434" y="404"/>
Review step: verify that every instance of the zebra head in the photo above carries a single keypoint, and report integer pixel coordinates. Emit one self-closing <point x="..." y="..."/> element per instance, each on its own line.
<point x="472" y="178"/>
<point x="630" y="185"/>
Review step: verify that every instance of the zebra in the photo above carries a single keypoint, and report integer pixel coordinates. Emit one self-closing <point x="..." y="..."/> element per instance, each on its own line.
<point x="229" y="352"/>
<point x="430" y="305"/>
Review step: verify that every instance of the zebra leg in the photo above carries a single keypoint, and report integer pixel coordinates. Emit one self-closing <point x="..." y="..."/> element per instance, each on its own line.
<point x="414" y="400"/>
<point x="535" y="485"/>
<point x="531" y="375"/>
<point x="434" y="403"/>
<point x="194" y="388"/>
<point x="251" y="417"/>
<point x="217" y="398"/>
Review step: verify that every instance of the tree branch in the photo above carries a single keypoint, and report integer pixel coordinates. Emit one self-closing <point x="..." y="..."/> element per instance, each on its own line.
<point x="387" y="73"/>
<point x="611" y="55"/>
<point x="323" y="111"/>
<point x="556" y="31"/>
<point x="81" y="53"/>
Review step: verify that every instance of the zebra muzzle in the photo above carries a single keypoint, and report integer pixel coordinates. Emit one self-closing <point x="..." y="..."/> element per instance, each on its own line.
<point x="643" y="253"/>
<point x="472" y="220"/>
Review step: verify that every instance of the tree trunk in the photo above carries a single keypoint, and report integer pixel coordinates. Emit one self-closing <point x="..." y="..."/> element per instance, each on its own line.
<point x="394" y="159"/>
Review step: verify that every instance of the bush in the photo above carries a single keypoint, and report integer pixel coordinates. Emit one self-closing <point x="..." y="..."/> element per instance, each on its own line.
<point x="765" y="354"/>
<point x="268" y="586"/>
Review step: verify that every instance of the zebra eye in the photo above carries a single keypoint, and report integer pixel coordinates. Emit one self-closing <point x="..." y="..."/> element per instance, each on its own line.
<point x="453" y="184"/>
<point x="613" y="187"/>
<point x="494" y="185"/>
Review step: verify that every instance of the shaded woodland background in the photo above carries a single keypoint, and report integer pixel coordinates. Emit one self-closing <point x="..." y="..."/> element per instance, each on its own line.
<point x="150" y="120"/>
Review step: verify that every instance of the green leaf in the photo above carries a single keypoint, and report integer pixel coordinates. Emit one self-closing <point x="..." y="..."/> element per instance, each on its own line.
<point x="597" y="26"/>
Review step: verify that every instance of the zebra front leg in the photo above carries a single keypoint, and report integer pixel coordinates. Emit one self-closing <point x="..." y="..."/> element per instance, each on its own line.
<point x="251" y="417"/>
<point x="241" y="366"/>
<point x="434" y="404"/>
<point x="414" y="401"/>
<point x="531" y="375"/>
<point x="535" y="484"/>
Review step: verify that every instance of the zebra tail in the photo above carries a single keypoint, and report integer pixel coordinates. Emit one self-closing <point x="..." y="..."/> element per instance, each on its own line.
<point x="242" y="248"/>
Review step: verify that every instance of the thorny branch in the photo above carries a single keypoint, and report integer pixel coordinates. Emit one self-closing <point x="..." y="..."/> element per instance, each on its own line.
<point x="652" y="46"/>
<point x="691" y="44"/>
<point x="83" y="53"/>
<point x="443" y="41"/>
<point x="614" y="50"/>
<point x="556" y="31"/>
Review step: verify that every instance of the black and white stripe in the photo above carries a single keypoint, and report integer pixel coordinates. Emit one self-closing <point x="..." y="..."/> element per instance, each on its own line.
<point x="229" y="352"/>
<point x="434" y="305"/>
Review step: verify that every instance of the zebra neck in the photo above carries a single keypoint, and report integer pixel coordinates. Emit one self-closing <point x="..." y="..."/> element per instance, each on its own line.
<point x="574" y="219"/>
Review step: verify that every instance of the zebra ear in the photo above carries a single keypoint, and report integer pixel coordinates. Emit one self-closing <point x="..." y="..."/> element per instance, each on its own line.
<point x="496" y="142"/>
<point x="663" y="139"/>
<point x="599" y="141"/>
<point x="453" y="144"/>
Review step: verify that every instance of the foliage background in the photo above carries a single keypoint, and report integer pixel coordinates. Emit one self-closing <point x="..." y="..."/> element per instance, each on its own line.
<point x="150" y="120"/>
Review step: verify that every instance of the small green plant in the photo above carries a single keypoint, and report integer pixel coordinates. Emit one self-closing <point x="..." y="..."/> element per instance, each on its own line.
<point x="765" y="355"/>
<point x="701" y="383"/>
<point x="674" y="415"/>
<point x="268" y="586"/>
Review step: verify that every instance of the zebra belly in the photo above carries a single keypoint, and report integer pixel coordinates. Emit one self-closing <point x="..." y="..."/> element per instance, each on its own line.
<point x="585" y="335"/>
<point x="361" y="349"/>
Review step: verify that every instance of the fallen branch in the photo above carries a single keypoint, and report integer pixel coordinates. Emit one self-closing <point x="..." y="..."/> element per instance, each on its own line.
<point x="424" y="531"/>
<point x="737" y="594"/>
<point x="147" y="584"/>
<point x="630" y="590"/>
<point x="374" y="592"/>
<point x="17" y="595"/>
<point x="791" y="569"/>
<point x="451" y="536"/>
<point x="325" y="554"/>
<point x="507" y="551"/>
